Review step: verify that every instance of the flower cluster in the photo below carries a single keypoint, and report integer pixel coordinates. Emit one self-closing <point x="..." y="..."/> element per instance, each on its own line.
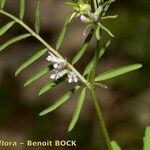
<point x="60" y="69"/>
<point x="92" y="19"/>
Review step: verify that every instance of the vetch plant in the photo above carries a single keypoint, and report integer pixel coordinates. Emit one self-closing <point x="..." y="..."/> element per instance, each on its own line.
<point x="91" y="13"/>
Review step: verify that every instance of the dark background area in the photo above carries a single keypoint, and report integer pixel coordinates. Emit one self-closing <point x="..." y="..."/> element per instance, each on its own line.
<point x="126" y="103"/>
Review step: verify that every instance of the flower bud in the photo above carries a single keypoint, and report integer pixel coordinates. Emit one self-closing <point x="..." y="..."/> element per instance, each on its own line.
<point x="84" y="8"/>
<point x="85" y="19"/>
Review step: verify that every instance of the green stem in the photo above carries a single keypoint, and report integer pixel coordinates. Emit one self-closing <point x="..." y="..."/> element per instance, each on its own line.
<point x="46" y="45"/>
<point x="101" y="119"/>
<point x="96" y="102"/>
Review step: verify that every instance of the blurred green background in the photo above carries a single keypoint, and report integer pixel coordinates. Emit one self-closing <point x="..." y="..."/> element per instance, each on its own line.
<point x="126" y="103"/>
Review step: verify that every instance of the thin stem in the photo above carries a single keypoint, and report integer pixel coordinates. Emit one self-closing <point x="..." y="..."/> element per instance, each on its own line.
<point x="96" y="103"/>
<point x="101" y="119"/>
<point x="46" y="45"/>
<point x="95" y="100"/>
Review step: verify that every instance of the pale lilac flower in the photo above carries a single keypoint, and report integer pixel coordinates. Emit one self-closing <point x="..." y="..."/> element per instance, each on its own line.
<point x="60" y="69"/>
<point x="72" y="77"/>
<point x="51" y="57"/>
<point x="85" y="19"/>
<point x="58" y="63"/>
<point x="58" y="74"/>
<point x="90" y="18"/>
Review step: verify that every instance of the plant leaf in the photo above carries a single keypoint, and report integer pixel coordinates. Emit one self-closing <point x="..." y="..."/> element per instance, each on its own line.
<point x="38" y="75"/>
<point x="71" y="17"/>
<point x="13" y="40"/>
<point x="109" y="17"/>
<point x="37" y="17"/>
<point x="6" y="27"/>
<point x="115" y="146"/>
<point x="47" y="87"/>
<point x="90" y="64"/>
<point x="62" y="33"/>
<point x="60" y="101"/>
<point x="71" y="3"/>
<point x="50" y="85"/>
<point x="83" y="48"/>
<point x="106" y="5"/>
<point x="77" y="110"/>
<point x="22" y="9"/>
<point x="97" y="33"/>
<point x="2" y="3"/>
<point x="106" y="30"/>
<point x="117" y="72"/>
<point x="147" y="139"/>
<point x="31" y="60"/>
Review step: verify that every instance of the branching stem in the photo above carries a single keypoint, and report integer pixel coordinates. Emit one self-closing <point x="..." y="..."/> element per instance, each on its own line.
<point x="46" y="45"/>
<point x="95" y="99"/>
<point x="90" y="85"/>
